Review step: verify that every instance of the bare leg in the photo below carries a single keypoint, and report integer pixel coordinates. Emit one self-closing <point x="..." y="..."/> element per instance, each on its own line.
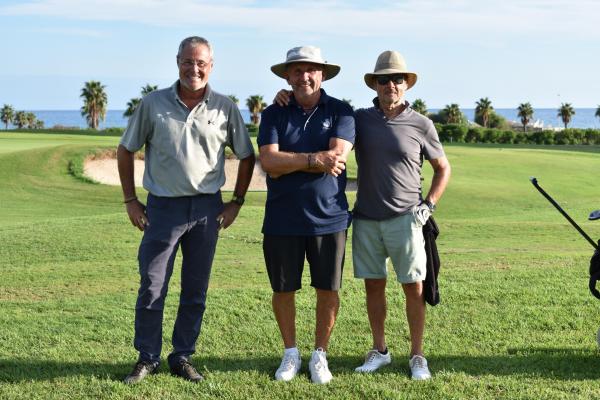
<point x="377" y="310"/>
<point x="415" y="314"/>
<point x="328" y="304"/>
<point x="284" y="308"/>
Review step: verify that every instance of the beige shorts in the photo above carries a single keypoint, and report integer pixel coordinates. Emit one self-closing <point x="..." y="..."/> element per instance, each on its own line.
<point x="399" y="240"/>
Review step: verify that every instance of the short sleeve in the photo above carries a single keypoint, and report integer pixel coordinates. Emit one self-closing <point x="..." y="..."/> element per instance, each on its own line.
<point x="139" y="128"/>
<point x="237" y="134"/>
<point x="432" y="147"/>
<point x="345" y="127"/>
<point x="267" y="130"/>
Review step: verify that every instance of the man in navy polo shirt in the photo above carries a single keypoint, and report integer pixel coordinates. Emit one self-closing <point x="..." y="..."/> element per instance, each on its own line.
<point x="303" y="148"/>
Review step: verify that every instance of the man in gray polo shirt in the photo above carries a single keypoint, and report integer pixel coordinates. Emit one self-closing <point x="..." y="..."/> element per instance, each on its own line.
<point x="389" y="214"/>
<point x="184" y="129"/>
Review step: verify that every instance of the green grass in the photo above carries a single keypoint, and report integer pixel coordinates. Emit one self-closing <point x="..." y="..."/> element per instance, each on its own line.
<point x="515" y="321"/>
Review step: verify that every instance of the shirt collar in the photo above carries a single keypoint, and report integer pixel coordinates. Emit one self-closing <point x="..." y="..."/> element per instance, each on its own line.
<point x="207" y="93"/>
<point x="376" y="103"/>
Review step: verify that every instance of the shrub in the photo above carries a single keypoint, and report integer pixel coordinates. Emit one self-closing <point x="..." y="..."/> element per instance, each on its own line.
<point x="474" y="135"/>
<point x="491" y="135"/>
<point x="543" y="137"/>
<point x="507" y="137"/>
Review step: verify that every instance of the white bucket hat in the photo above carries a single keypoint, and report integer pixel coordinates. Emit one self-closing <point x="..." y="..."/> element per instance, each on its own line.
<point x="308" y="54"/>
<point x="390" y="62"/>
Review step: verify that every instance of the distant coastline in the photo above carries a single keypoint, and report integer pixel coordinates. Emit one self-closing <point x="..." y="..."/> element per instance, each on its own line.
<point x="583" y="118"/>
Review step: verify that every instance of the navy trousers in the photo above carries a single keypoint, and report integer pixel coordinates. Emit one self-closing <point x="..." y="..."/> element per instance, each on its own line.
<point x="189" y="223"/>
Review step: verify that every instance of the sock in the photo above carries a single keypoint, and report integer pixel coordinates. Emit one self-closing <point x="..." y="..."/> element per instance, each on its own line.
<point x="291" y="350"/>
<point x="384" y="352"/>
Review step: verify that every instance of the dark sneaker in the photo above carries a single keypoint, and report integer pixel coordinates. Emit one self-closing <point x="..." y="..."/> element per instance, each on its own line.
<point x="141" y="369"/>
<point x="187" y="371"/>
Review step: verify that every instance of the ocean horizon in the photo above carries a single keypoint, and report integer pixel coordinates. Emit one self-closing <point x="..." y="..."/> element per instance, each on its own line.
<point x="583" y="118"/>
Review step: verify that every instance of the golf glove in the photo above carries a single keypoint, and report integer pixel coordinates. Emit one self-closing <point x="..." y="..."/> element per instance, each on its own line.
<point x="422" y="213"/>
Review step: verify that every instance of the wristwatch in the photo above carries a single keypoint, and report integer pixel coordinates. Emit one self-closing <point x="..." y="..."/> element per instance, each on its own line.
<point x="430" y="205"/>
<point x="239" y="200"/>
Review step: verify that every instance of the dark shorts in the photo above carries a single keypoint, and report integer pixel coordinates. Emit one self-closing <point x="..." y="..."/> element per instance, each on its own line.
<point x="284" y="257"/>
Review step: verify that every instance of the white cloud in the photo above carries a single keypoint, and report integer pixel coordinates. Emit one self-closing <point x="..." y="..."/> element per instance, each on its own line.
<point x="429" y="19"/>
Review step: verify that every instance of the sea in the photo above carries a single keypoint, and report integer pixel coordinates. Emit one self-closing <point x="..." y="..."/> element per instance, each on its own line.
<point x="545" y="117"/>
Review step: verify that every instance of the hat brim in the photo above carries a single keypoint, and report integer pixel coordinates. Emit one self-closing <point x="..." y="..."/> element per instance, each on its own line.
<point x="331" y="70"/>
<point x="411" y="77"/>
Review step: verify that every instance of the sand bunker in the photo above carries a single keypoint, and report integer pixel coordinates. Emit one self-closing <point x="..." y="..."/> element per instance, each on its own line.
<point x="105" y="171"/>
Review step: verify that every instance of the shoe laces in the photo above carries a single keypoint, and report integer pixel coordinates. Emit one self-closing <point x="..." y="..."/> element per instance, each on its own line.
<point x="188" y="367"/>
<point x="371" y="356"/>
<point x="141" y="365"/>
<point x="288" y="361"/>
<point x="321" y="363"/>
<point x="418" y="362"/>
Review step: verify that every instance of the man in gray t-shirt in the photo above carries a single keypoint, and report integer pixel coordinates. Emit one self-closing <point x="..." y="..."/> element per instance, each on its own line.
<point x="184" y="129"/>
<point x="391" y="142"/>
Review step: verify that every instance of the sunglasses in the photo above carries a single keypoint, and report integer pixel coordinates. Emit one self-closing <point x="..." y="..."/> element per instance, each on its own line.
<point x="385" y="79"/>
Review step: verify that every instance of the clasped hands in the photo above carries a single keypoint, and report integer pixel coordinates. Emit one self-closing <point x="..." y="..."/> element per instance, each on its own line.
<point x="330" y="161"/>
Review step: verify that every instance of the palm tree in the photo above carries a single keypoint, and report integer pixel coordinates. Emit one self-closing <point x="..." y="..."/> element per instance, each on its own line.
<point x="484" y="109"/>
<point x="20" y="119"/>
<point x="452" y="113"/>
<point x="565" y="112"/>
<point x="131" y="106"/>
<point x="94" y="103"/>
<point x="525" y="112"/>
<point x="234" y="99"/>
<point x="39" y="124"/>
<point x="349" y="102"/>
<point x="7" y="114"/>
<point x="419" y="106"/>
<point x="31" y="118"/>
<point x="135" y="102"/>
<point x="148" y="89"/>
<point x="255" y="105"/>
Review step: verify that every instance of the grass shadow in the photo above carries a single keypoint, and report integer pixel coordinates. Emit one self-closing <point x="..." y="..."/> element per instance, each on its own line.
<point x="558" y="364"/>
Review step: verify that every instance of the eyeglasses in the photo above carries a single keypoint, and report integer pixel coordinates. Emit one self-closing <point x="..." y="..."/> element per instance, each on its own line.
<point x="385" y="79"/>
<point x="188" y="63"/>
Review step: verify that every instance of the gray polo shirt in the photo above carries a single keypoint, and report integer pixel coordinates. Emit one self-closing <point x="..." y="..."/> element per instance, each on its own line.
<point x="389" y="154"/>
<point x="185" y="149"/>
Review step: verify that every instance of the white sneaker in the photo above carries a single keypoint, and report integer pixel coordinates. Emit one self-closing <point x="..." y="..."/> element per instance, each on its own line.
<point x="418" y="368"/>
<point x="319" y="370"/>
<point x="374" y="360"/>
<point x="289" y="367"/>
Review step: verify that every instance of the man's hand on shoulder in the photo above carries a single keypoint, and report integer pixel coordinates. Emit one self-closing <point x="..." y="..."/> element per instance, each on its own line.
<point x="283" y="97"/>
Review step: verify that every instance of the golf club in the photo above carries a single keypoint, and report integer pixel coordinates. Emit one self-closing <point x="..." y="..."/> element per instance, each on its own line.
<point x="559" y="208"/>
<point x="594" y="215"/>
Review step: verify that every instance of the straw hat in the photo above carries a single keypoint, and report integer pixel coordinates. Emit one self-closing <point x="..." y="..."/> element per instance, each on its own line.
<point x="308" y="54"/>
<point x="390" y="62"/>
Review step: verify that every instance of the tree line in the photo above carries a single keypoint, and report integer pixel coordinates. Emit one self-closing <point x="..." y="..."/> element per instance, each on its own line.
<point x="95" y="101"/>
<point x="20" y="119"/>
<point x="487" y="117"/>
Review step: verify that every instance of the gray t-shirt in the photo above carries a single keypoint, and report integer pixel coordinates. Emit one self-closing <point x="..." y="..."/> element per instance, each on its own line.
<point x="185" y="149"/>
<point x="389" y="154"/>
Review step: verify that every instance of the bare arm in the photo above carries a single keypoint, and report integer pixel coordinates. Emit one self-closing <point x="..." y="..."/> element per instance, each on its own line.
<point x="333" y="161"/>
<point x="244" y="176"/>
<point x="441" y="176"/>
<point x="135" y="209"/>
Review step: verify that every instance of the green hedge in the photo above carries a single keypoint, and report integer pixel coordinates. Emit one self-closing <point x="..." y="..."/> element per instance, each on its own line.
<point x="457" y="133"/>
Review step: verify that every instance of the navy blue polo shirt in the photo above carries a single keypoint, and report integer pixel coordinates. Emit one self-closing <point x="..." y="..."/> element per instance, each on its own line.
<point x="304" y="203"/>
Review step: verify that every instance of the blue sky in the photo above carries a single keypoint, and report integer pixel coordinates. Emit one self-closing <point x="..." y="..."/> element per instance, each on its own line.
<point x="544" y="52"/>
